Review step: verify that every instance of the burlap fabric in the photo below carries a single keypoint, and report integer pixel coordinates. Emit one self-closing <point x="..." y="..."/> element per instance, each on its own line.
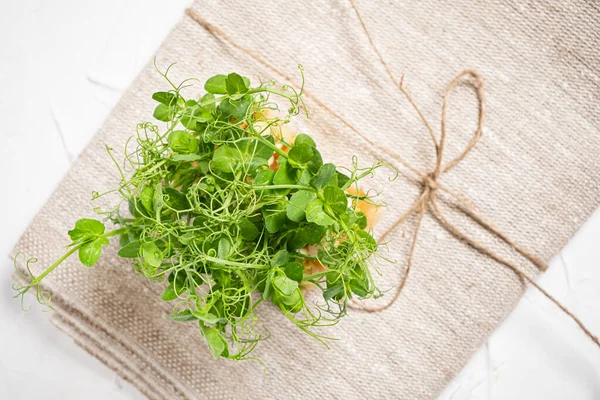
<point x="535" y="173"/>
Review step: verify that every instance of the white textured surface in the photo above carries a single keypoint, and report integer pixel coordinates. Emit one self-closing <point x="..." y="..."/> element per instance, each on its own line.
<point x="79" y="56"/>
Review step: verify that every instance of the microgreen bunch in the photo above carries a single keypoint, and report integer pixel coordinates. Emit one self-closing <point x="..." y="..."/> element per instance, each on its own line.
<point x="224" y="210"/>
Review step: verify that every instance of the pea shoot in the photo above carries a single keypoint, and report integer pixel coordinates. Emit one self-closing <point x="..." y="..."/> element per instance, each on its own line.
<point x="229" y="213"/>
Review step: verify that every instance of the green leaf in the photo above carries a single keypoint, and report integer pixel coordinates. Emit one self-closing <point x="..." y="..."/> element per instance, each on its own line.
<point x="182" y="316"/>
<point x="169" y="293"/>
<point x="166" y="98"/>
<point x="194" y="116"/>
<point x="306" y="234"/>
<point x="204" y="167"/>
<point x="177" y="200"/>
<point x="301" y="154"/>
<point x="207" y="102"/>
<point x="316" y="163"/>
<point x="151" y="254"/>
<point x="359" y="287"/>
<point x="323" y="176"/>
<point x="316" y="214"/>
<point x="274" y="215"/>
<point x="256" y="165"/>
<point x="223" y="248"/>
<point x="294" y="271"/>
<point x="225" y="159"/>
<point x="207" y="317"/>
<point x="178" y="279"/>
<point x="368" y="240"/>
<point x="291" y="303"/>
<point x="255" y="155"/>
<point x="280" y="258"/>
<point x="254" y="148"/>
<point x="361" y="219"/>
<point x="191" y="103"/>
<point x="89" y="252"/>
<point x="333" y="292"/>
<point x="216" y="85"/>
<point x="125" y="238"/>
<point x="187" y="238"/>
<point x="235" y="84"/>
<point x="285" y="174"/>
<point x="305" y="177"/>
<point x="164" y="113"/>
<point x="216" y="343"/>
<point x="326" y="258"/>
<point x="303" y="138"/>
<point x="285" y="285"/>
<point x="342" y="179"/>
<point x="187" y="157"/>
<point x="336" y="199"/>
<point x="183" y="142"/>
<point x="131" y="250"/>
<point x="264" y="178"/>
<point x="248" y="230"/>
<point x="246" y="81"/>
<point x="86" y="228"/>
<point x="296" y="241"/>
<point x="235" y="108"/>
<point x="359" y="283"/>
<point x="146" y="197"/>
<point x="268" y="285"/>
<point x="296" y="209"/>
<point x="157" y="198"/>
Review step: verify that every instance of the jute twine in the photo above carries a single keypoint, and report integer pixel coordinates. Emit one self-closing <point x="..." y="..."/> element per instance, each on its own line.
<point x="429" y="181"/>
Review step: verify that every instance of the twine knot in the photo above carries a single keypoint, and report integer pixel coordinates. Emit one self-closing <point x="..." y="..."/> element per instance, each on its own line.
<point x="430" y="182"/>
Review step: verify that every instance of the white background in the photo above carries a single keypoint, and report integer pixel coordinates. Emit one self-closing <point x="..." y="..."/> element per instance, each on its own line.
<point x="63" y="66"/>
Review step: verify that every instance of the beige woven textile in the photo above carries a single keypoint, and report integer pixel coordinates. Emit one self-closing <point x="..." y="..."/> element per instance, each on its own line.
<point x="535" y="173"/>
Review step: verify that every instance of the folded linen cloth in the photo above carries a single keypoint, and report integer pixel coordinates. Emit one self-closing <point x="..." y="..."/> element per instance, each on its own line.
<point x="535" y="173"/>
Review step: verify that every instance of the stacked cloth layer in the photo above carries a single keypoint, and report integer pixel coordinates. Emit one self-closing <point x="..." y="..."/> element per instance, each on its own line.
<point x="535" y="173"/>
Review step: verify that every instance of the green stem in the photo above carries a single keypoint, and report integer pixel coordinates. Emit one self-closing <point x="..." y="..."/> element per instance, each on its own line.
<point x="354" y="196"/>
<point x="116" y="232"/>
<point x="272" y="146"/>
<point x="252" y="91"/>
<point x="305" y="256"/>
<point x="298" y="187"/>
<point x="317" y="275"/>
<point x="57" y="263"/>
<point x="73" y="250"/>
<point x="233" y="263"/>
<point x="355" y="179"/>
<point x="288" y="96"/>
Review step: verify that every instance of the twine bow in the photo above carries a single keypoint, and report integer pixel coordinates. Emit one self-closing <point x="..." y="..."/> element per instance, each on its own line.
<point x="431" y="185"/>
<point x="430" y="182"/>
